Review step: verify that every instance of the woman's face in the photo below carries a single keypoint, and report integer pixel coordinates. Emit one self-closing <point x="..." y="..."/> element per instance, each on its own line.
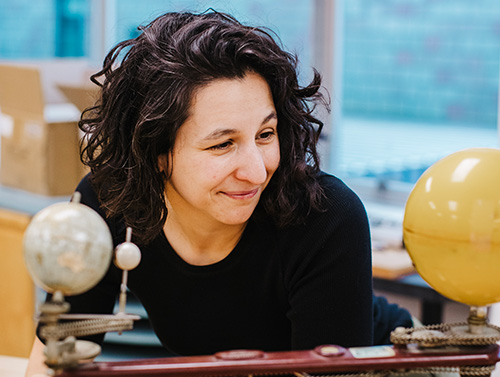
<point x="225" y="153"/>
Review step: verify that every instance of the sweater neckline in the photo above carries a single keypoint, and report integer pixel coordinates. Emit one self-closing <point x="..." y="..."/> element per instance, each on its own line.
<point x="233" y="257"/>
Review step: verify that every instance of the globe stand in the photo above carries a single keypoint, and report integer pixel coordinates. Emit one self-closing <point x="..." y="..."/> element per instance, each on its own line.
<point x="62" y="349"/>
<point x="474" y="335"/>
<point x="478" y="317"/>
<point x="475" y="332"/>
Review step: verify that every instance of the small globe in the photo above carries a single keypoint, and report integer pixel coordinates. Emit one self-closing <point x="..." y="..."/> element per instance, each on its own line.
<point x="67" y="248"/>
<point x="451" y="226"/>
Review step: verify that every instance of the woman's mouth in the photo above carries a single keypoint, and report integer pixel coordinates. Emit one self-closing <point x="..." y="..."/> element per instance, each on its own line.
<point x="241" y="195"/>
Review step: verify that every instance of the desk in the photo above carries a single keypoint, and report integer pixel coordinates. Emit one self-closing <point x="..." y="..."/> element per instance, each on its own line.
<point x="432" y="303"/>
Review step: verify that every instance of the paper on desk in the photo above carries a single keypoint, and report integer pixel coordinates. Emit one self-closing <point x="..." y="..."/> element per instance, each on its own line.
<point x="391" y="263"/>
<point x="11" y="366"/>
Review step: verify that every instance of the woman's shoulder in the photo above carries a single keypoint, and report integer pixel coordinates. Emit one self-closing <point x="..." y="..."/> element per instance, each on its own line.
<point x="90" y="198"/>
<point x="339" y="197"/>
<point x="335" y="235"/>
<point x="341" y="208"/>
<point x="88" y="194"/>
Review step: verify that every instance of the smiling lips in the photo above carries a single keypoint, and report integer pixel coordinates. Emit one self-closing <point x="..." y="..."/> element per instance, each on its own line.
<point x="241" y="195"/>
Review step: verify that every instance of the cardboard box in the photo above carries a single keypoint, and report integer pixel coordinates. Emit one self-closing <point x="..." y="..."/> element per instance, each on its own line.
<point x="82" y="96"/>
<point x="39" y="143"/>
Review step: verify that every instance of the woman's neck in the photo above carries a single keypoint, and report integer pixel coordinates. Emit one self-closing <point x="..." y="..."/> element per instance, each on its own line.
<point x="201" y="244"/>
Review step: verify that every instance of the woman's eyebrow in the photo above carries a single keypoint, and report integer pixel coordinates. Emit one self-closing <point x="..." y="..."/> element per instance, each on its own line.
<point x="221" y="132"/>
<point x="272" y="115"/>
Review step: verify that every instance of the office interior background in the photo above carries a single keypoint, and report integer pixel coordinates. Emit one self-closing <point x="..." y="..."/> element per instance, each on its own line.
<point x="411" y="81"/>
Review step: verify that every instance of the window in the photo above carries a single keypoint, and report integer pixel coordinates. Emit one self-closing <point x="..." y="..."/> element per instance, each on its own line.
<point x="420" y="81"/>
<point x="43" y="29"/>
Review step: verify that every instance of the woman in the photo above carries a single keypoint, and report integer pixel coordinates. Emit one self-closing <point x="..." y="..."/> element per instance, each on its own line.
<point x="205" y="144"/>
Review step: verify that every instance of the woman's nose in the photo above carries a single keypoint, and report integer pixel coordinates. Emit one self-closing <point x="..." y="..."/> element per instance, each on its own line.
<point x="251" y="165"/>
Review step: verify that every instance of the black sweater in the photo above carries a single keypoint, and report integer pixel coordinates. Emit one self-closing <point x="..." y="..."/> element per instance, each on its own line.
<point x="279" y="289"/>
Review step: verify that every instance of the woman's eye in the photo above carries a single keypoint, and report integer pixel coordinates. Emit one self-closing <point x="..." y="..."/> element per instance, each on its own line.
<point x="221" y="146"/>
<point x="266" y="135"/>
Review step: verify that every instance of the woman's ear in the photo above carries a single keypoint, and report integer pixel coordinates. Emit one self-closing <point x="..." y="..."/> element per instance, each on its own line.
<point x="163" y="163"/>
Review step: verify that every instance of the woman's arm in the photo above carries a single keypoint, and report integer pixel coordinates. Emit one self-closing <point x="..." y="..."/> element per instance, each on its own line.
<point x="36" y="362"/>
<point x="330" y="279"/>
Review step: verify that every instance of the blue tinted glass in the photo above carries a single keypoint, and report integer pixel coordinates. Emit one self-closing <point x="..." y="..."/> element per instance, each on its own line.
<point x="420" y="81"/>
<point x="43" y="28"/>
<point x="433" y="61"/>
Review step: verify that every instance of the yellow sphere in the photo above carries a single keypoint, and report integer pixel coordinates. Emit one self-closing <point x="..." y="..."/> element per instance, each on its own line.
<point x="451" y="226"/>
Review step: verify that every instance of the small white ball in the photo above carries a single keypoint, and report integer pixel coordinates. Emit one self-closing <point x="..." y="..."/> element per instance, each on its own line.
<point x="127" y="256"/>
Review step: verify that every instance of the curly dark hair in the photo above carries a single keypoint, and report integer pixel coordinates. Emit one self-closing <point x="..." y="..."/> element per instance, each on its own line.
<point x="147" y="84"/>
